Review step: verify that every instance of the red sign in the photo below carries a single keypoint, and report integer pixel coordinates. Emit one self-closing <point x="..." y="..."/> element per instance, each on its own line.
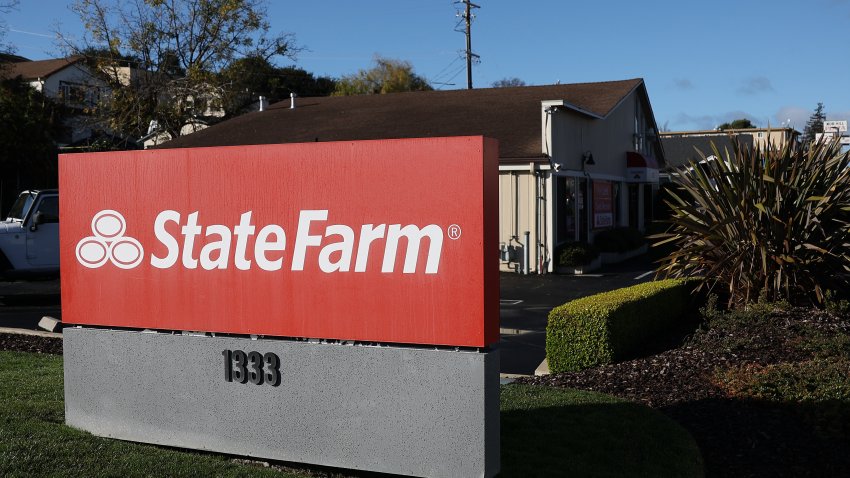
<point x="603" y="204"/>
<point x="378" y="241"/>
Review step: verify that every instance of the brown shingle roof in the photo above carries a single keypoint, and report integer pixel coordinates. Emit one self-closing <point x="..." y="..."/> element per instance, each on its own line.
<point x="511" y="115"/>
<point x="33" y="70"/>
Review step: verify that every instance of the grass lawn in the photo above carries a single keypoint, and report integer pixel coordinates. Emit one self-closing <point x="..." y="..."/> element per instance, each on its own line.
<point x="545" y="432"/>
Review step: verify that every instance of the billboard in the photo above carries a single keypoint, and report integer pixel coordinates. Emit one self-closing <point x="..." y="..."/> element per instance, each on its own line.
<point x="374" y="241"/>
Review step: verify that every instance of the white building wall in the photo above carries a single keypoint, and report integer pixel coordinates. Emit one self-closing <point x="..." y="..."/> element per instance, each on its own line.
<point x="522" y="210"/>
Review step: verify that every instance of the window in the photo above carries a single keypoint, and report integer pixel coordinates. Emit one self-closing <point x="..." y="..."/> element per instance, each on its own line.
<point x="49" y="208"/>
<point x="77" y="95"/>
<point x="21" y="206"/>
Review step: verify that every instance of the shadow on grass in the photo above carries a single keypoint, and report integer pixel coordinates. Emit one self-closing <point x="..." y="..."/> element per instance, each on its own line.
<point x="762" y="439"/>
<point x="557" y="432"/>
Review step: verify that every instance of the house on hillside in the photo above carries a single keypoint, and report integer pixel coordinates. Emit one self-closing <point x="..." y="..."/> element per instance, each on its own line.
<point x="574" y="159"/>
<point x="71" y="82"/>
<point x="68" y="81"/>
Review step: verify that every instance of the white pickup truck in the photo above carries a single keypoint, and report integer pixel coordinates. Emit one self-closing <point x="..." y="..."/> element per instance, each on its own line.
<point x="29" y="237"/>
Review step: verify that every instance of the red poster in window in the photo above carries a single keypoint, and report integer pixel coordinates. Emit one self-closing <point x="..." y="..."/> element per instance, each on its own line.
<point x="378" y="241"/>
<point x="603" y="204"/>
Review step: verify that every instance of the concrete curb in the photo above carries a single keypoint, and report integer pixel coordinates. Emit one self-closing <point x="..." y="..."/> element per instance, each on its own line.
<point x="543" y="368"/>
<point x="38" y="333"/>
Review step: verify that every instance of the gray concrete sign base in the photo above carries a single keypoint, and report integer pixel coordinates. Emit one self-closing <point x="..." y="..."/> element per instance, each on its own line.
<point x="410" y="411"/>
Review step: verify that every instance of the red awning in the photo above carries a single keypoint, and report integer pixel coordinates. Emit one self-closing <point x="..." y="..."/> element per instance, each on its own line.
<point x="637" y="160"/>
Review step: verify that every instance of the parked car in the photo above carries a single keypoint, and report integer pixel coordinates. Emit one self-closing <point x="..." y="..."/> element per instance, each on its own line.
<point x="29" y="236"/>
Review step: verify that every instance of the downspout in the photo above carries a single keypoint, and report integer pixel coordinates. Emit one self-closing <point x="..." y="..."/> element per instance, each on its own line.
<point x="515" y="236"/>
<point x="541" y="239"/>
<point x="527" y="252"/>
<point x="536" y="216"/>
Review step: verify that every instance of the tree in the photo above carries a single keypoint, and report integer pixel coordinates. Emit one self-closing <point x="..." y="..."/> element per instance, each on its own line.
<point x="5" y="7"/>
<point x="171" y="53"/>
<point x="742" y="123"/>
<point x="246" y="79"/>
<point x="29" y="126"/>
<point x="814" y="125"/>
<point x="387" y="76"/>
<point x="507" y="83"/>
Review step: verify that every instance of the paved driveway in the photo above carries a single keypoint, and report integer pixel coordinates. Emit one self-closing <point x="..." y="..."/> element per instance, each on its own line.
<point x="527" y="299"/>
<point x="525" y="305"/>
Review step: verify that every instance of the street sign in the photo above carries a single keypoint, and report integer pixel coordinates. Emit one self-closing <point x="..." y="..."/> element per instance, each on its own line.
<point x="835" y="125"/>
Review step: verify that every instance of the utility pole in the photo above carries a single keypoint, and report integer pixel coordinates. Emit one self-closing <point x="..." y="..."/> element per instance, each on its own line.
<point x="467" y="18"/>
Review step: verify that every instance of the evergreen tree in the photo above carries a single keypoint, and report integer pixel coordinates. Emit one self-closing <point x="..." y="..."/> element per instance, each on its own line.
<point x="245" y="79"/>
<point x="814" y="125"/>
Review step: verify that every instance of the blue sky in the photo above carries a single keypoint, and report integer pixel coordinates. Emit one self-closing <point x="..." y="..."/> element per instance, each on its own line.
<point x="704" y="63"/>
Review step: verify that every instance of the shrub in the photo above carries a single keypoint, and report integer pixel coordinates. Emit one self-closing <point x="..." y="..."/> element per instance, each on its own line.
<point x="607" y="327"/>
<point x="576" y="254"/>
<point x="771" y="222"/>
<point x="619" y="239"/>
<point x="814" y="380"/>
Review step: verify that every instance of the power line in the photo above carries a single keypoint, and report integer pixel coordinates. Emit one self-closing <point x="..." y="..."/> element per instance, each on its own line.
<point x="459" y="71"/>
<point x="466" y="18"/>
<point x="443" y="72"/>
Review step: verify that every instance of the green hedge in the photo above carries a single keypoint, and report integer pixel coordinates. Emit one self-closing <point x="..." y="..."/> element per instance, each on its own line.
<point x="576" y="254"/>
<point x="607" y="327"/>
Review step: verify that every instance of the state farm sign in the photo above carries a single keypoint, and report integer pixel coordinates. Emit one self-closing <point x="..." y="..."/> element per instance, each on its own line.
<point x="381" y="241"/>
<point x="127" y="253"/>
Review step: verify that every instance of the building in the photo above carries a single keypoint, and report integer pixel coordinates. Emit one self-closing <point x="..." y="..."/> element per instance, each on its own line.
<point x="683" y="147"/>
<point x="68" y="81"/>
<point x="72" y="83"/>
<point x="574" y="159"/>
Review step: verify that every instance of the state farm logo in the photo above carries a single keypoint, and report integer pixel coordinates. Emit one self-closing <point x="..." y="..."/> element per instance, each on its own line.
<point x="244" y="245"/>
<point x="109" y="243"/>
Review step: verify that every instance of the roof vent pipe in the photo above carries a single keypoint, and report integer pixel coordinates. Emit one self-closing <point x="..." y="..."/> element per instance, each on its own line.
<point x="264" y="103"/>
<point x="292" y="101"/>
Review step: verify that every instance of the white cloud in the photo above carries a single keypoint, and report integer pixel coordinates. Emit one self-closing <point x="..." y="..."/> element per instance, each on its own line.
<point x="793" y="116"/>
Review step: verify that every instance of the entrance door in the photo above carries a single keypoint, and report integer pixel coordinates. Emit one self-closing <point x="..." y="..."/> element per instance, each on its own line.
<point x="634" y="206"/>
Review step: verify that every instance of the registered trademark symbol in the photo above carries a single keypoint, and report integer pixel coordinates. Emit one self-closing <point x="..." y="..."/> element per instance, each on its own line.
<point x="454" y="232"/>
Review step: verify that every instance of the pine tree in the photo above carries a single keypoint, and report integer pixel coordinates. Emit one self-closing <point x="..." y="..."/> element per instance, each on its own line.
<point x="814" y="125"/>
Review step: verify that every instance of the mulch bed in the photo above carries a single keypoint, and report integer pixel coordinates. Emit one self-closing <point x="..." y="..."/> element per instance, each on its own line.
<point x="31" y="343"/>
<point x="738" y="438"/>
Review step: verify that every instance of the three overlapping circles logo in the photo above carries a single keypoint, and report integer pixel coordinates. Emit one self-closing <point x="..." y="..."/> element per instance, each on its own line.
<point x="109" y="244"/>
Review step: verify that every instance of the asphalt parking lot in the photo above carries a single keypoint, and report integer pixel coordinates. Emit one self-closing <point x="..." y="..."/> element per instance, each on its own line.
<point x="527" y="299"/>
<point x="525" y="304"/>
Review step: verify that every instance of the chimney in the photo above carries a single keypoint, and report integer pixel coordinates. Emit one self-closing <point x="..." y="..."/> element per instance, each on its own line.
<point x="292" y="101"/>
<point x="264" y="103"/>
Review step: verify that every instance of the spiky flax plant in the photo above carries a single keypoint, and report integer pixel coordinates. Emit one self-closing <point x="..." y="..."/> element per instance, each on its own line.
<point x="767" y="222"/>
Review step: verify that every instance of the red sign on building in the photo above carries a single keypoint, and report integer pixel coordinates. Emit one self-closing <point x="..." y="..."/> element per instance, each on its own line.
<point x="378" y="241"/>
<point x="603" y="204"/>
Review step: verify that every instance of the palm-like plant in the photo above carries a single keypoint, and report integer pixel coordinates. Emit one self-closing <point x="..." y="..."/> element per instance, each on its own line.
<point x="769" y="223"/>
